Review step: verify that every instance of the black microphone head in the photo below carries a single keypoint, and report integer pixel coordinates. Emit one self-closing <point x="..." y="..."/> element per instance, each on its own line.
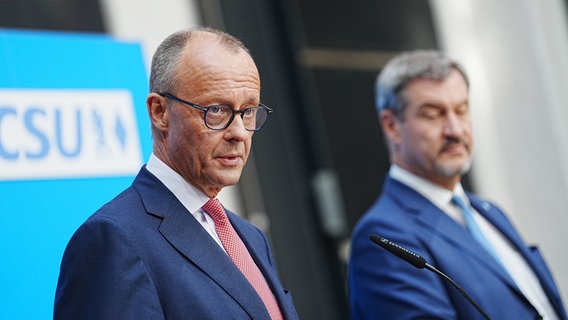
<point x="403" y="253"/>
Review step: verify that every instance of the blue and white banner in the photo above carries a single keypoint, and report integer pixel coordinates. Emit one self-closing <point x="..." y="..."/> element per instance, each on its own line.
<point x="62" y="133"/>
<point x="74" y="131"/>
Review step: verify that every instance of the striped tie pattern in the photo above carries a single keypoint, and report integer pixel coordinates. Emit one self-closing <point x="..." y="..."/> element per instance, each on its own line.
<point x="238" y="252"/>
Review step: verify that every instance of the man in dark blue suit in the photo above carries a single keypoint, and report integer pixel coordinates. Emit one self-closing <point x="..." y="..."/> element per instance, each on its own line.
<point x="158" y="250"/>
<point x="423" y="106"/>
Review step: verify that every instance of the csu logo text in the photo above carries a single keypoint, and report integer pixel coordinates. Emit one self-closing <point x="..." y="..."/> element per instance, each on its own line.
<point x="67" y="133"/>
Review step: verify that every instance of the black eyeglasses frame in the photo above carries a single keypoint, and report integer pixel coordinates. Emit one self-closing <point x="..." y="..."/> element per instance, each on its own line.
<point x="206" y="109"/>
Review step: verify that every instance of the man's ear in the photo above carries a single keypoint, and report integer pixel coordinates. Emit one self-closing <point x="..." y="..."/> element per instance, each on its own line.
<point x="390" y="124"/>
<point x="158" y="111"/>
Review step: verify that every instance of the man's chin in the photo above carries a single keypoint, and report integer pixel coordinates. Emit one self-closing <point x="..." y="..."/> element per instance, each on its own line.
<point x="230" y="177"/>
<point x="453" y="170"/>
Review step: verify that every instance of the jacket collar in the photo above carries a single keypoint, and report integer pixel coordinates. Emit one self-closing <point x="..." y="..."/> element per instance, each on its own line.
<point x="184" y="233"/>
<point x="440" y="225"/>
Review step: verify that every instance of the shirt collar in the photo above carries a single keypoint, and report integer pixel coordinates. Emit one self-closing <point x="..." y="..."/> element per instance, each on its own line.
<point x="191" y="197"/>
<point x="437" y="195"/>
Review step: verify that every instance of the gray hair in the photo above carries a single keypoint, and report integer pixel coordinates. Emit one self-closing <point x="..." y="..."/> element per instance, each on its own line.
<point x="168" y="56"/>
<point x="399" y="71"/>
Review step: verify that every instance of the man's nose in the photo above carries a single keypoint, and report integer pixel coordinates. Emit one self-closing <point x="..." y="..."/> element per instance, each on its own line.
<point x="454" y="125"/>
<point x="236" y="129"/>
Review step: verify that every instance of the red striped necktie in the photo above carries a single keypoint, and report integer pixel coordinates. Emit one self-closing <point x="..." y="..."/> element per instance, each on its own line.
<point x="238" y="252"/>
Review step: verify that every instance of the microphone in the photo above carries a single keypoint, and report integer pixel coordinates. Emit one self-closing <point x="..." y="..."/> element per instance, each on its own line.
<point x="420" y="263"/>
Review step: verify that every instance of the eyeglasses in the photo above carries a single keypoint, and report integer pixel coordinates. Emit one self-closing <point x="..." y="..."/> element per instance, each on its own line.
<point x="220" y="117"/>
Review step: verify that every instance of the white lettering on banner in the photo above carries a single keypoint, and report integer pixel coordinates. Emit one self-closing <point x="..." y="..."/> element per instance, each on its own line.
<point x="47" y="133"/>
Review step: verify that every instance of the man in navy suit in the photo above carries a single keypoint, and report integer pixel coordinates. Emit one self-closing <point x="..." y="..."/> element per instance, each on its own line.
<point x="423" y="105"/>
<point x="153" y="252"/>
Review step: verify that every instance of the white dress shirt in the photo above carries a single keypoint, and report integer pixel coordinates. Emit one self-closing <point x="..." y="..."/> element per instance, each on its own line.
<point x="191" y="197"/>
<point x="511" y="259"/>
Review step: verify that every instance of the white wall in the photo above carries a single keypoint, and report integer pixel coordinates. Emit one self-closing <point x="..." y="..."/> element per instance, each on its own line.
<point x="147" y="21"/>
<point x="516" y="53"/>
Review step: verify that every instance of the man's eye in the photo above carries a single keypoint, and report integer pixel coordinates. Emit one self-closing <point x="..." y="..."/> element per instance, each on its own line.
<point x="431" y="114"/>
<point x="249" y="112"/>
<point x="463" y="110"/>
<point x="219" y="110"/>
<point x="214" y="109"/>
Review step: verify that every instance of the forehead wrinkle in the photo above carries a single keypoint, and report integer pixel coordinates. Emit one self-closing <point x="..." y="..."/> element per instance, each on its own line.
<point x="214" y="90"/>
<point x="208" y="72"/>
<point x="223" y="79"/>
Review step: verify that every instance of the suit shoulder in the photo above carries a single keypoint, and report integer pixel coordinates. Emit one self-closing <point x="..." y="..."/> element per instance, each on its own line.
<point x="124" y="214"/>
<point x="385" y="217"/>
<point x="384" y="210"/>
<point x="125" y="202"/>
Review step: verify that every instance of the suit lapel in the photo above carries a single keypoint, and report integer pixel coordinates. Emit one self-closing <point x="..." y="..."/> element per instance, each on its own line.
<point x="184" y="233"/>
<point x="453" y="234"/>
<point x="263" y="264"/>
<point x="494" y="215"/>
<point x="445" y="230"/>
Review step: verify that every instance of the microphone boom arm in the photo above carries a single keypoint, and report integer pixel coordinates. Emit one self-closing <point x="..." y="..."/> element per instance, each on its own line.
<point x="460" y="290"/>
<point x="420" y="263"/>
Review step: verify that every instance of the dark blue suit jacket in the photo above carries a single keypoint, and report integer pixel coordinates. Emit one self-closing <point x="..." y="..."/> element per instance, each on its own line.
<point x="382" y="286"/>
<point x="144" y="256"/>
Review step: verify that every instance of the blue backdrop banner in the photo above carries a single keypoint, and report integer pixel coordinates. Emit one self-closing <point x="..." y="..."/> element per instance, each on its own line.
<point x="73" y="133"/>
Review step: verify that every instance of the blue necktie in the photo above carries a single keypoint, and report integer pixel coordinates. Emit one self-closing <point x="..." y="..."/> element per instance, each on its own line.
<point x="473" y="228"/>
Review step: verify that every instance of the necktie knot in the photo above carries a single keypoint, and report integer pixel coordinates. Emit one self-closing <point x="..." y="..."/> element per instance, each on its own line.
<point x="215" y="210"/>
<point x="458" y="201"/>
<point x="467" y="214"/>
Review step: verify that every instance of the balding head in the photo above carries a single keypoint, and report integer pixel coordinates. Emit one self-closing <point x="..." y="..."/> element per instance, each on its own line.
<point x="169" y="54"/>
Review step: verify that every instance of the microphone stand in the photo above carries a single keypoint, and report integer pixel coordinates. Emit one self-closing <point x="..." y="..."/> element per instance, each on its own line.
<point x="420" y="263"/>
<point x="460" y="290"/>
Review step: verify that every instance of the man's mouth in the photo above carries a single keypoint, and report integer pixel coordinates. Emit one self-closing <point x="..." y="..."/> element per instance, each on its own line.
<point x="229" y="160"/>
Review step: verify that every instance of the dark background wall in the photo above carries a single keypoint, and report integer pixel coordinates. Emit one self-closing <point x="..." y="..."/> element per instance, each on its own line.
<point x="61" y="15"/>
<point x="318" y="61"/>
